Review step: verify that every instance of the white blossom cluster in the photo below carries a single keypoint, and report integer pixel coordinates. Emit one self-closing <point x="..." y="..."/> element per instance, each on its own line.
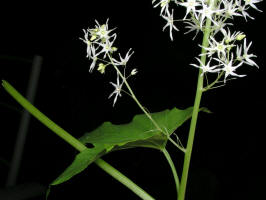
<point x="100" y="49"/>
<point x="226" y="51"/>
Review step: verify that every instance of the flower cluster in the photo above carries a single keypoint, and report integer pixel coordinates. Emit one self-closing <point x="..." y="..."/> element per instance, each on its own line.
<point x="224" y="51"/>
<point x="100" y="49"/>
<point x="227" y="60"/>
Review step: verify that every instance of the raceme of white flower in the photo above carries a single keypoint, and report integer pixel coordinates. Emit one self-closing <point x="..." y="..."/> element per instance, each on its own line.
<point x="225" y="50"/>
<point x="224" y="53"/>
<point x="100" y="49"/>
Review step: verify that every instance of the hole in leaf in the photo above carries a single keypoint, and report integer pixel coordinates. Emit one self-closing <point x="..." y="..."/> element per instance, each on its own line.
<point x="89" y="145"/>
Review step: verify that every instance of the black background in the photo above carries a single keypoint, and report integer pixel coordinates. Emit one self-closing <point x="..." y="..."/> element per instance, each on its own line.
<point x="228" y="154"/>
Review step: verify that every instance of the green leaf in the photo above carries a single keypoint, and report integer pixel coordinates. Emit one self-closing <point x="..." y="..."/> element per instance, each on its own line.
<point x="81" y="162"/>
<point x="140" y="132"/>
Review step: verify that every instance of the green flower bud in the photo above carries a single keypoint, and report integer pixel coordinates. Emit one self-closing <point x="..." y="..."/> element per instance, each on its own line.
<point x="227" y="41"/>
<point x="240" y="37"/>
<point x="114" y="49"/>
<point x="101" y="68"/>
<point x="93" y="37"/>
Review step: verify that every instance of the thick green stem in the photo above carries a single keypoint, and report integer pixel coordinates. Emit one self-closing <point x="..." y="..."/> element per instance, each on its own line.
<point x="172" y="165"/>
<point x="74" y="142"/>
<point x="123" y="179"/>
<point x="182" y="190"/>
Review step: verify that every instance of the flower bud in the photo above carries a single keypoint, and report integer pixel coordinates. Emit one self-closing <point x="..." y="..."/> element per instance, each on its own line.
<point x="114" y="49"/>
<point x="240" y="37"/>
<point x="133" y="72"/>
<point x="101" y="68"/>
<point x="227" y="41"/>
<point x="93" y="37"/>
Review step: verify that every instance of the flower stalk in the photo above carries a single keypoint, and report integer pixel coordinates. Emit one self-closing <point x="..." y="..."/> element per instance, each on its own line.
<point x="183" y="184"/>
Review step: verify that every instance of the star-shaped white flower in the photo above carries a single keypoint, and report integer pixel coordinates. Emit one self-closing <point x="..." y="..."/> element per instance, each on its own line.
<point x="231" y="9"/>
<point x="231" y="37"/>
<point x="164" y="4"/>
<point x="229" y="69"/>
<point x="206" y="68"/>
<point x="218" y="47"/>
<point x="207" y="11"/>
<point x="87" y="42"/>
<point x="252" y="4"/>
<point x="246" y="57"/>
<point x="102" y="31"/>
<point x="123" y="61"/>
<point x="220" y="24"/>
<point x="94" y="58"/>
<point x="170" y="22"/>
<point x="117" y="91"/>
<point x="191" y="6"/>
<point x="192" y="26"/>
<point x="243" y="9"/>
<point x="107" y="47"/>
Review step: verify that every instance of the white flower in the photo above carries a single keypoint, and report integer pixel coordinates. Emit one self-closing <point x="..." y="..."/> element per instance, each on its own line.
<point x="191" y="6"/>
<point x="243" y="9"/>
<point x="94" y="58"/>
<point x="230" y="38"/>
<point x="206" y="68"/>
<point x="192" y="26"/>
<point x="218" y="47"/>
<point x="164" y="4"/>
<point x="252" y="4"/>
<point x="229" y="69"/>
<point x="170" y="23"/>
<point x="117" y="91"/>
<point x="87" y="42"/>
<point x="246" y="58"/>
<point x="206" y="12"/>
<point x="101" y="31"/>
<point x="220" y="24"/>
<point x="107" y="47"/>
<point x="231" y="9"/>
<point x="92" y="65"/>
<point x="123" y="61"/>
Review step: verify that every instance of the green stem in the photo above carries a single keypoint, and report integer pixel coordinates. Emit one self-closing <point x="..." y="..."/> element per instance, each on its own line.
<point x="208" y="87"/>
<point x="171" y="163"/>
<point x="42" y="118"/>
<point x="73" y="141"/>
<point x="123" y="179"/>
<point x="182" y="190"/>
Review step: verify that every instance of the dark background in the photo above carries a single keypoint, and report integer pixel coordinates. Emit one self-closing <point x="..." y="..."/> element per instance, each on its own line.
<point x="228" y="155"/>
